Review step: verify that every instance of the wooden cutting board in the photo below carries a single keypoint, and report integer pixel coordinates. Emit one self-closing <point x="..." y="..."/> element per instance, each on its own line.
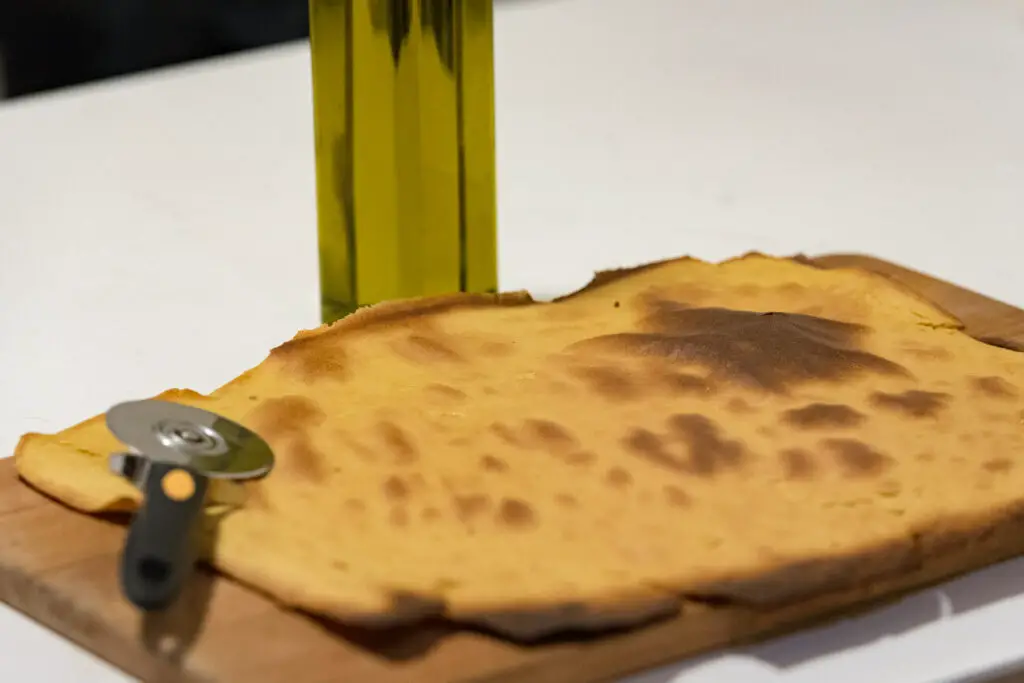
<point x="59" y="568"/>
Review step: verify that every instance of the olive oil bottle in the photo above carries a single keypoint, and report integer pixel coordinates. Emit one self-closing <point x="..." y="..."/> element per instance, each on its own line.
<point x="403" y="99"/>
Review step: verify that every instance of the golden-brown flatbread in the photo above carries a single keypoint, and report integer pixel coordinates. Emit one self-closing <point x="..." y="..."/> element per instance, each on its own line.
<point x="759" y="431"/>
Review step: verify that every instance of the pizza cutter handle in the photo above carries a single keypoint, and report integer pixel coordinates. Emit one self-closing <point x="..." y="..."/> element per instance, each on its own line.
<point x="159" y="552"/>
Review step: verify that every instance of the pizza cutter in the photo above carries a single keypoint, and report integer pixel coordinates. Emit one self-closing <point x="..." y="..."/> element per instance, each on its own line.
<point x="173" y="452"/>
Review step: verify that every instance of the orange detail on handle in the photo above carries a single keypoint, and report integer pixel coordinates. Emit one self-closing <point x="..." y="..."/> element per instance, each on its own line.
<point x="178" y="485"/>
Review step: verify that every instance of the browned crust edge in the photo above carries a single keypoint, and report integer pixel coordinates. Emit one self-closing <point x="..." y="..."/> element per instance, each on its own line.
<point x="606" y="277"/>
<point x="389" y="312"/>
<point x="834" y="262"/>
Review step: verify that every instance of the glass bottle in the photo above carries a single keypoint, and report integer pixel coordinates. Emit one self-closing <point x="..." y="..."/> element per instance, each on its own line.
<point x="403" y="99"/>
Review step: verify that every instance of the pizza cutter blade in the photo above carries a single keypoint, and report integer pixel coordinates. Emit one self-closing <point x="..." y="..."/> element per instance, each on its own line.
<point x="173" y="452"/>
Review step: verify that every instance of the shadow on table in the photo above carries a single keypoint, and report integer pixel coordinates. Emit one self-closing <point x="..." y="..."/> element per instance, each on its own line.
<point x="986" y="586"/>
<point x="962" y="595"/>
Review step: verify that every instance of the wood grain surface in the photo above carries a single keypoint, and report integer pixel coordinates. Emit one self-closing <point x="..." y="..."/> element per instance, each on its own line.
<point x="59" y="567"/>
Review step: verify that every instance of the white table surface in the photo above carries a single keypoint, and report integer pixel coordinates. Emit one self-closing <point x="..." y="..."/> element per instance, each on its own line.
<point x="626" y="132"/>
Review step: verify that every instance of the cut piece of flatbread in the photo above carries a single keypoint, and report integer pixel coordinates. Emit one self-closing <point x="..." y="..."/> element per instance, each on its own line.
<point x="759" y="431"/>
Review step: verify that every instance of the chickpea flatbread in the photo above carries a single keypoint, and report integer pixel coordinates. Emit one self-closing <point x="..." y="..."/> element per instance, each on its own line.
<point x="759" y="431"/>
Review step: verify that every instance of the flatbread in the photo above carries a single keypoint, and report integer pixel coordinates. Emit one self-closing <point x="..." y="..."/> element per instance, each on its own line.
<point x="758" y="432"/>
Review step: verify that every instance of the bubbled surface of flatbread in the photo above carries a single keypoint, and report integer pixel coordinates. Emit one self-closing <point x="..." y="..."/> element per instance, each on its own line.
<point x="758" y="430"/>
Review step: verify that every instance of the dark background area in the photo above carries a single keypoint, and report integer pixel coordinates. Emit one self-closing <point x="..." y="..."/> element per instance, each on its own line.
<point x="49" y="44"/>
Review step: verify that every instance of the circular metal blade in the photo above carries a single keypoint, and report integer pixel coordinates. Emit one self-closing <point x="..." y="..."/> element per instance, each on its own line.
<point x="184" y="435"/>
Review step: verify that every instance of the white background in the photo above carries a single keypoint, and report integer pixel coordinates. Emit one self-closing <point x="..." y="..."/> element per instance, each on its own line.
<point x="627" y="131"/>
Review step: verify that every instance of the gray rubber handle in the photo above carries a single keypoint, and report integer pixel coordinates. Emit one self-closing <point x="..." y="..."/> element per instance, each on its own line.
<point x="160" y="550"/>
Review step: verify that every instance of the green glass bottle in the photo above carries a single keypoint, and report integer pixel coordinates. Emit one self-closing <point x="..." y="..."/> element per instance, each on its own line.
<point x="403" y="98"/>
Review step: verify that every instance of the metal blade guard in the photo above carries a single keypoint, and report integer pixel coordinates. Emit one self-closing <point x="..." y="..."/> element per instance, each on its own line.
<point x="173" y="452"/>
